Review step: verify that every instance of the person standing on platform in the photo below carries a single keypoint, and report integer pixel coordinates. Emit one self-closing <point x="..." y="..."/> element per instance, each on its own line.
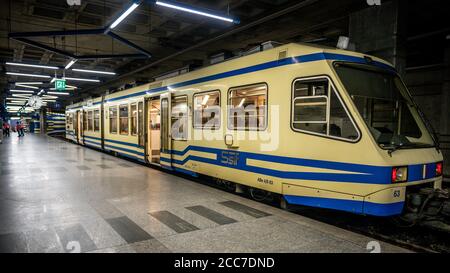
<point x="19" y="129"/>
<point x="6" y="129"/>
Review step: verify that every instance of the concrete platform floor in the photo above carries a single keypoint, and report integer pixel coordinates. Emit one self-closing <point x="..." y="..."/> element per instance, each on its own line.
<point x="60" y="197"/>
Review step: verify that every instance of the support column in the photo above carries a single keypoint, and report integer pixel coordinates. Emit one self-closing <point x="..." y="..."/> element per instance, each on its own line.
<point x="380" y="31"/>
<point x="444" y="130"/>
<point x="42" y="113"/>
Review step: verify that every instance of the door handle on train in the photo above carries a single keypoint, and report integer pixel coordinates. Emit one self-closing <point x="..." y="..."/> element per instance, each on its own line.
<point x="229" y="141"/>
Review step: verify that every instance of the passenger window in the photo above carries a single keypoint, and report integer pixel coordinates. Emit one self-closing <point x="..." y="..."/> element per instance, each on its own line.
<point x="90" y="117"/>
<point x="248" y="107"/>
<point x="97" y="120"/>
<point x="134" y="114"/>
<point x="207" y="110"/>
<point x="113" y="120"/>
<point x="317" y="109"/>
<point x="123" y="116"/>
<point x="179" y="118"/>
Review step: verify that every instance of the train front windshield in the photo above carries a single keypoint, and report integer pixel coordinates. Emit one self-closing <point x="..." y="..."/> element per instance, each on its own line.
<point x="383" y="102"/>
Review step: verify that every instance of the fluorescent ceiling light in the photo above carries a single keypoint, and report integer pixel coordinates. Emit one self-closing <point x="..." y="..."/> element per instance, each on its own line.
<point x="198" y="12"/>
<point x="81" y="80"/>
<point x="58" y="93"/>
<point x="22" y="95"/>
<point x="49" y="97"/>
<point x="21" y="91"/>
<point x="27" y="86"/>
<point x="52" y="80"/>
<point x="33" y="65"/>
<point x="30" y="83"/>
<point x="124" y="15"/>
<point x="17" y="99"/>
<point x="93" y="71"/>
<point x="27" y="75"/>
<point x="70" y="63"/>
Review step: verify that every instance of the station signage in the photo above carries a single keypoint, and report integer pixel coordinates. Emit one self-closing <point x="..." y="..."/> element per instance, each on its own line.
<point x="60" y="85"/>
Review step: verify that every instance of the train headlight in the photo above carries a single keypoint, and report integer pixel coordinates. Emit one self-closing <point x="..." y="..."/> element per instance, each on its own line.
<point x="399" y="174"/>
<point x="439" y="169"/>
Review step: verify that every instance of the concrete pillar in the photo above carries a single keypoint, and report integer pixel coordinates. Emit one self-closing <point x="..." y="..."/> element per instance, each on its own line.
<point x="42" y="113"/>
<point x="380" y="31"/>
<point x="444" y="130"/>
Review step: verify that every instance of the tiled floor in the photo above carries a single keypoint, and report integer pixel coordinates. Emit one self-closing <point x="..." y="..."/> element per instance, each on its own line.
<point x="59" y="197"/>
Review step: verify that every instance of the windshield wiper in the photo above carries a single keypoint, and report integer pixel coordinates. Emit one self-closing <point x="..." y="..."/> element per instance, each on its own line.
<point x="400" y="146"/>
<point x="395" y="148"/>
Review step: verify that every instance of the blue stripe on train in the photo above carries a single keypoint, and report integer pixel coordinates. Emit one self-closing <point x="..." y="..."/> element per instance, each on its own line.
<point x="363" y="173"/>
<point x="353" y="206"/>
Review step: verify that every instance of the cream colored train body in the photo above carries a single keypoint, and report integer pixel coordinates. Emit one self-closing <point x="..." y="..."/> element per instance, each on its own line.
<point x="320" y="127"/>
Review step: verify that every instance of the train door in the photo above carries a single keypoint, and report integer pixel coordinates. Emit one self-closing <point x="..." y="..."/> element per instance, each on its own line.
<point x="166" y="137"/>
<point x="102" y="123"/>
<point x="77" y="125"/>
<point x="153" y="145"/>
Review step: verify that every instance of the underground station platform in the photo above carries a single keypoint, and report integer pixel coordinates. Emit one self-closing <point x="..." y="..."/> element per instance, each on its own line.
<point x="54" y="193"/>
<point x="224" y="136"/>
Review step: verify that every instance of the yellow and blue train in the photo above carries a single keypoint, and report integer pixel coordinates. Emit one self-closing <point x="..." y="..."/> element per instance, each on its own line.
<point x="316" y="126"/>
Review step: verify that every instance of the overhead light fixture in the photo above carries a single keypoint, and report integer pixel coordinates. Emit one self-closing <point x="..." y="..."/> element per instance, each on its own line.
<point x="58" y="93"/>
<point x="17" y="99"/>
<point x="93" y="71"/>
<point x="124" y="15"/>
<point x="81" y="80"/>
<point x="195" y="11"/>
<point x="33" y="65"/>
<point x="40" y="92"/>
<point x="27" y="75"/>
<point x="29" y="83"/>
<point x="54" y="79"/>
<point x="70" y="63"/>
<point x="49" y="97"/>
<point x="22" y="95"/>
<point x="21" y="91"/>
<point x="27" y="86"/>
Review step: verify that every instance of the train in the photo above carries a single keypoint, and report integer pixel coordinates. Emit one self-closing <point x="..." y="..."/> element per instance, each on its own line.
<point x="314" y="126"/>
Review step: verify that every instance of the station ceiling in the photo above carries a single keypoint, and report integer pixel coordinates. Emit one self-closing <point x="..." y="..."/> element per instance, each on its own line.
<point x="176" y="39"/>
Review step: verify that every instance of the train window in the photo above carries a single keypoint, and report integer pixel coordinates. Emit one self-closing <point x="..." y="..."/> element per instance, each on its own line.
<point x="248" y="107"/>
<point x="310" y="114"/>
<point x="113" y="120"/>
<point x="90" y="120"/>
<point x="123" y="116"/>
<point x="317" y="109"/>
<point x="340" y="123"/>
<point x="207" y="110"/>
<point x="97" y="120"/>
<point x="179" y="118"/>
<point x="134" y="114"/>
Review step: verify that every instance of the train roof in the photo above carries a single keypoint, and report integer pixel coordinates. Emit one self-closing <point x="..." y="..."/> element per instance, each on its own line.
<point x="291" y="50"/>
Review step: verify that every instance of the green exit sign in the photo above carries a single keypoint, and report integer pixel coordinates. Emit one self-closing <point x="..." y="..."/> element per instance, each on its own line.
<point x="60" y="85"/>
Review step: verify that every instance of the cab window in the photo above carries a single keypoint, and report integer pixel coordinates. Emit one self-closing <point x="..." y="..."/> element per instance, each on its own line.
<point x="317" y="109"/>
